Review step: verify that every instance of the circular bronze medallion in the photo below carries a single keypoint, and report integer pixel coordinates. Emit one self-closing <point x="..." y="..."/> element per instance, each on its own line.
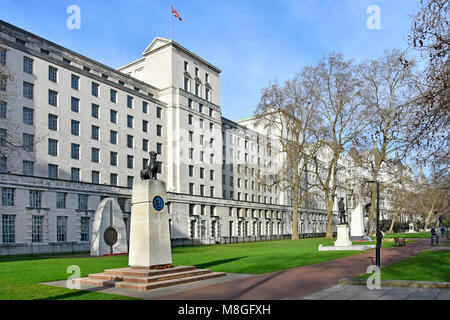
<point x="110" y="236"/>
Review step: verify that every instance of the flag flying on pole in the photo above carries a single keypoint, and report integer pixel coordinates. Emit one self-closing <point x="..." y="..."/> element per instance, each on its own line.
<point x="176" y="15"/>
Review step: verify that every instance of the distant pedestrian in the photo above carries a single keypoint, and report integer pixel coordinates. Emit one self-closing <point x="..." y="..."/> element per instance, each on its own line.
<point x="442" y="231"/>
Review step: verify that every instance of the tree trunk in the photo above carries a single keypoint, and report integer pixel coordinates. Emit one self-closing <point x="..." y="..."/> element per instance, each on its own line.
<point x="428" y="218"/>
<point x="329" y="234"/>
<point x="393" y="220"/>
<point x="295" y="215"/>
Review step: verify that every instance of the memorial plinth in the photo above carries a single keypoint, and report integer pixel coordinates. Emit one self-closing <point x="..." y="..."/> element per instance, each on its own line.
<point x="343" y="236"/>
<point x="149" y="229"/>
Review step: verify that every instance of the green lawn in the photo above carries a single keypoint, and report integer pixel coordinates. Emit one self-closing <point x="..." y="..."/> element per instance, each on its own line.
<point x="420" y="235"/>
<point x="425" y="266"/>
<point x="20" y="276"/>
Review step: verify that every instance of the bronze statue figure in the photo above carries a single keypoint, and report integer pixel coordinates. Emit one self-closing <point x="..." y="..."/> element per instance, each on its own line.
<point x="341" y="207"/>
<point x="152" y="170"/>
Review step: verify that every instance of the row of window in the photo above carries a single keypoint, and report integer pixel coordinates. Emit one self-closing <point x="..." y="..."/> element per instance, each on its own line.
<point x="200" y="108"/>
<point x="37" y="228"/>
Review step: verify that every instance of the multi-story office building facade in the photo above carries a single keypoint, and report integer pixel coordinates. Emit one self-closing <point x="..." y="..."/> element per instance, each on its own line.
<point x="74" y="131"/>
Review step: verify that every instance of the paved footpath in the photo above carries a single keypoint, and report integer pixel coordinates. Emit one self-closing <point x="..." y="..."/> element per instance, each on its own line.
<point x="300" y="282"/>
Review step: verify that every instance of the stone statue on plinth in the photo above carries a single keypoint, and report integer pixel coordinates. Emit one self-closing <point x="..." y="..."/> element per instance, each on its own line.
<point x="341" y="206"/>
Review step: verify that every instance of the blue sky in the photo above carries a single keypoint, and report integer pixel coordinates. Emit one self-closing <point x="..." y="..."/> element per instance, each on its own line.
<point x="253" y="42"/>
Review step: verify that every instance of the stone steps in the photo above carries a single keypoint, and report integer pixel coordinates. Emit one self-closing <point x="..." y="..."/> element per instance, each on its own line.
<point x="145" y="279"/>
<point x="145" y="272"/>
<point x="166" y="283"/>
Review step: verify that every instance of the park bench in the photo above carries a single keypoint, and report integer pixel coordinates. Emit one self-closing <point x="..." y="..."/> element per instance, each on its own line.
<point x="398" y="242"/>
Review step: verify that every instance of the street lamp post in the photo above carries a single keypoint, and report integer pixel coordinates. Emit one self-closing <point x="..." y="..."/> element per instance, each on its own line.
<point x="378" y="233"/>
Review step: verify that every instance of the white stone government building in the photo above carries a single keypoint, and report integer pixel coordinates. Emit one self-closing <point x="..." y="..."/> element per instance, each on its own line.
<point x="74" y="131"/>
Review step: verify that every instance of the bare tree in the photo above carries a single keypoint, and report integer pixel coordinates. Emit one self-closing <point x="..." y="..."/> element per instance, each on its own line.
<point x="432" y="198"/>
<point x="288" y="113"/>
<point x="336" y="88"/>
<point x="387" y="96"/>
<point x="429" y="131"/>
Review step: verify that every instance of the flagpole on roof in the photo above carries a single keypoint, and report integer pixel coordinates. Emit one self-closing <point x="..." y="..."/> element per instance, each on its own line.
<point x="171" y="22"/>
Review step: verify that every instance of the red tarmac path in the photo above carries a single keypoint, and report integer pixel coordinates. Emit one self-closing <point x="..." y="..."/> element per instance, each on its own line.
<point x="298" y="282"/>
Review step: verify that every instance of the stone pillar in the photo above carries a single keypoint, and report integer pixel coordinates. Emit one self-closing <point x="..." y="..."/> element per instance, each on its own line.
<point x="108" y="235"/>
<point x="343" y="236"/>
<point x="149" y="230"/>
<point x="357" y="223"/>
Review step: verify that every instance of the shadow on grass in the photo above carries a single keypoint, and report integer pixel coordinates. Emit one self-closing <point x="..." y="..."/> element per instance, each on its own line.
<point x="72" y="294"/>
<point x="217" y="262"/>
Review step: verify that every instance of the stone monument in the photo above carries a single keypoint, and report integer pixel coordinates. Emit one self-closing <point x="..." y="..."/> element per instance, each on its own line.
<point x="108" y="234"/>
<point x="149" y="230"/>
<point x="357" y="223"/>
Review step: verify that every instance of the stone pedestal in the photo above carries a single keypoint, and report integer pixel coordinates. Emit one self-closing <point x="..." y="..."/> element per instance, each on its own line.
<point x="149" y="229"/>
<point x="357" y="223"/>
<point x="343" y="236"/>
<point x="108" y="234"/>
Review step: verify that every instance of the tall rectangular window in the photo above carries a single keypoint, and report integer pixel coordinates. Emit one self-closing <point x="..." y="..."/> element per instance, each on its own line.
<point x="207" y="96"/>
<point x="130" y="102"/>
<point x="36" y="229"/>
<point x="75" y="127"/>
<point x="7" y="197"/>
<point x="113" y="158"/>
<point x="95" y="177"/>
<point x="28" y="168"/>
<point x="144" y="145"/>
<point x="159" y="148"/>
<point x="3" y="164"/>
<point x="84" y="231"/>
<point x="2" y="56"/>
<point x="52" y="74"/>
<point x="95" y="155"/>
<point x="113" y="179"/>
<point x="28" y="116"/>
<point x="75" y="151"/>
<point x="75" y="82"/>
<point x="130" y="181"/>
<point x="197" y="89"/>
<point x="95" y="132"/>
<point x="75" y="104"/>
<point x="27" y="65"/>
<point x="95" y="90"/>
<point x="3" y="80"/>
<point x="158" y="112"/>
<point x="53" y="98"/>
<point x="35" y="198"/>
<point x="130" y="141"/>
<point x="145" y="125"/>
<point x="129" y="121"/>
<point x="60" y="200"/>
<point x="158" y="130"/>
<point x="52" y="122"/>
<point x="53" y="171"/>
<point x="28" y="89"/>
<point x="113" y="116"/>
<point x="82" y="202"/>
<point x="186" y="84"/>
<point x="144" y="107"/>
<point x="75" y="174"/>
<point x="130" y="162"/>
<point x="3" y="136"/>
<point x="28" y="142"/>
<point x="113" y="137"/>
<point x="8" y="228"/>
<point x="113" y="95"/>
<point x="190" y="103"/>
<point x="94" y="110"/>
<point x="61" y="229"/>
<point x="3" y="109"/>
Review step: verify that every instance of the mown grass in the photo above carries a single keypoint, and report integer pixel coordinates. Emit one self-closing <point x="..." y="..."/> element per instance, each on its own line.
<point x="425" y="266"/>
